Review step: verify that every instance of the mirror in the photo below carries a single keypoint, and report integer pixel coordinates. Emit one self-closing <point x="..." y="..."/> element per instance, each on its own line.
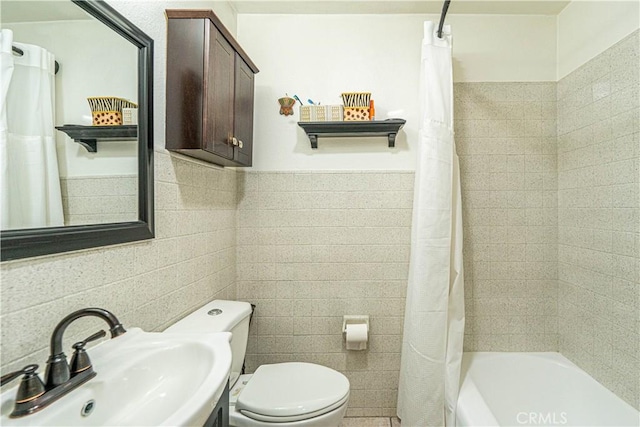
<point x="77" y="172"/>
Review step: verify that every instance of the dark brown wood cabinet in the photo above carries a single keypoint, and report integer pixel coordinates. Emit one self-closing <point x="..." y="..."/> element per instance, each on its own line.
<point x="210" y="89"/>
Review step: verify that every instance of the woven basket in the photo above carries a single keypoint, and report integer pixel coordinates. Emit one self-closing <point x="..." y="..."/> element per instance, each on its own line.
<point x="107" y="110"/>
<point x="321" y="113"/>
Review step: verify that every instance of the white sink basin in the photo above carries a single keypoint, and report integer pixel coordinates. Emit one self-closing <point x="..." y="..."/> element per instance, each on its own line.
<point x="144" y="378"/>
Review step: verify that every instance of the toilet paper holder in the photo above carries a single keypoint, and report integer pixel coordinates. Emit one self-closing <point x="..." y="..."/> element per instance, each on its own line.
<point x="354" y="320"/>
<point x="352" y="328"/>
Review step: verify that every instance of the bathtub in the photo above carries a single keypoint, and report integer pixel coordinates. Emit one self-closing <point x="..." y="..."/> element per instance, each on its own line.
<point x="535" y="389"/>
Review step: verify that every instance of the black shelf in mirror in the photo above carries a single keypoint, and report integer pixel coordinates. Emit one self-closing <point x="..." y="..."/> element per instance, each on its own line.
<point x="387" y="128"/>
<point x="88" y="136"/>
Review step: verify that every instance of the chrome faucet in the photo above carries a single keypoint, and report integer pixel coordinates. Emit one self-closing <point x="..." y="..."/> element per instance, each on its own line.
<point x="32" y="394"/>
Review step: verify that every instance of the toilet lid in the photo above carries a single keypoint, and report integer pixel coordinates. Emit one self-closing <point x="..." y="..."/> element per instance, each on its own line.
<point x="292" y="391"/>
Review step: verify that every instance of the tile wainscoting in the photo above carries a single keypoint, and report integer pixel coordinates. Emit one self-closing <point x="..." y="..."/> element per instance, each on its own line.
<point x="147" y="284"/>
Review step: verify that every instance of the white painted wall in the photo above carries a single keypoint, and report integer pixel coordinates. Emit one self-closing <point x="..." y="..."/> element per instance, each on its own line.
<point x="588" y="28"/>
<point x="502" y="48"/>
<point x="320" y="56"/>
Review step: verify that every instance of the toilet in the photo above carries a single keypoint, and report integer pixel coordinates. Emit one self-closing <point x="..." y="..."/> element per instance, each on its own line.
<point x="294" y="394"/>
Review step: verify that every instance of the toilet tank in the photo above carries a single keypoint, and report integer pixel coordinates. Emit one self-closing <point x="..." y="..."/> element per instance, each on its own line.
<point x="221" y="316"/>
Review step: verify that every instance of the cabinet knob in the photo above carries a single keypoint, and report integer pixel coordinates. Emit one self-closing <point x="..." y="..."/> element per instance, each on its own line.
<point x="240" y="144"/>
<point x="234" y="141"/>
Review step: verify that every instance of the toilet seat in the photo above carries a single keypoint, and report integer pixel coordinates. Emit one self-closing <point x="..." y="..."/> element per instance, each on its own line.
<point x="287" y="392"/>
<point x="292" y="418"/>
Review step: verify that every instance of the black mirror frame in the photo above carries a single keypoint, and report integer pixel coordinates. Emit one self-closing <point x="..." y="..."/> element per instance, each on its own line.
<point x="17" y="244"/>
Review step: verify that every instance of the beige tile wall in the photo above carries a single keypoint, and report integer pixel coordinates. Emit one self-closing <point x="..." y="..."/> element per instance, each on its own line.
<point x="313" y="247"/>
<point x="99" y="200"/>
<point x="149" y="284"/>
<point x="506" y="140"/>
<point x="599" y="218"/>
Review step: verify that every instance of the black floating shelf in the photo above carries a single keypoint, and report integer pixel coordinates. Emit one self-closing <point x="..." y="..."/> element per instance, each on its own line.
<point x="88" y="136"/>
<point x="387" y="128"/>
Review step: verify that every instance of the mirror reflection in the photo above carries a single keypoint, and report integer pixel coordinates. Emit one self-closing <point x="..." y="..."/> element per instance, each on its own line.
<point x="85" y="173"/>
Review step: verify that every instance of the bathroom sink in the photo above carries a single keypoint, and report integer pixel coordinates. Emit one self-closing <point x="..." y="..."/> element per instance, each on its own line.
<point x="144" y="378"/>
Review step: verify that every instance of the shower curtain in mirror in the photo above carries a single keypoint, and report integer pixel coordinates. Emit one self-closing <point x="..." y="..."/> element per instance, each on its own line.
<point x="29" y="179"/>
<point x="434" y="314"/>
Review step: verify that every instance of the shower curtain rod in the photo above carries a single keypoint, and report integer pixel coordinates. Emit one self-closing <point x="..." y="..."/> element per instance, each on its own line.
<point x="445" y="7"/>
<point x="20" y="52"/>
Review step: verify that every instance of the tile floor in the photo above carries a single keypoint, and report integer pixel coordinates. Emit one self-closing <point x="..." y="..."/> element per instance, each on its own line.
<point x="371" y="422"/>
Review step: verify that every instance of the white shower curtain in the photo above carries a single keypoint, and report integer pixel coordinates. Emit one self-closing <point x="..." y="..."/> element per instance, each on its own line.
<point x="434" y="314"/>
<point x="29" y="179"/>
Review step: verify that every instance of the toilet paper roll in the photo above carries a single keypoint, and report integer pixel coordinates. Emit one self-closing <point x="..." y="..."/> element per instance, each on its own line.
<point x="356" y="336"/>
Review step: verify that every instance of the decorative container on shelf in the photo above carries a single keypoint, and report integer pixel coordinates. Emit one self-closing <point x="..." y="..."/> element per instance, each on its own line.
<point x="107" y="110"/>
<point x="335" y="112"/>
<point x="356" y="114"/>
<point x="321" y="113"/>
<point x="129" y="116"/>
<point x="356" y="106"/>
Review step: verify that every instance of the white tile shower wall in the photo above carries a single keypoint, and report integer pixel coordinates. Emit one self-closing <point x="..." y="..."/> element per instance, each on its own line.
<point x="599" y="218"/>
<point x="506" y="140"/>
<point x="313" y="247"/>
<point x="99" y="200"/>
<point x="149" y="284"/>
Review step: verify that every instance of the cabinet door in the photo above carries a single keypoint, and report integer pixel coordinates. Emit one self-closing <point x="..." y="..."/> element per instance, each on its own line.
<point x="243" y="111"/>
<point x="185" y="44"/>
<point x="218" y="108"/>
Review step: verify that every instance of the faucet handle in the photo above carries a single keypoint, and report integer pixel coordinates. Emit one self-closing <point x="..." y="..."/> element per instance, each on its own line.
<point x="29" y="369"/>
<point x="31" y="385"/>
<point x="80" y="359"/>
<point x="80" y="344"/>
